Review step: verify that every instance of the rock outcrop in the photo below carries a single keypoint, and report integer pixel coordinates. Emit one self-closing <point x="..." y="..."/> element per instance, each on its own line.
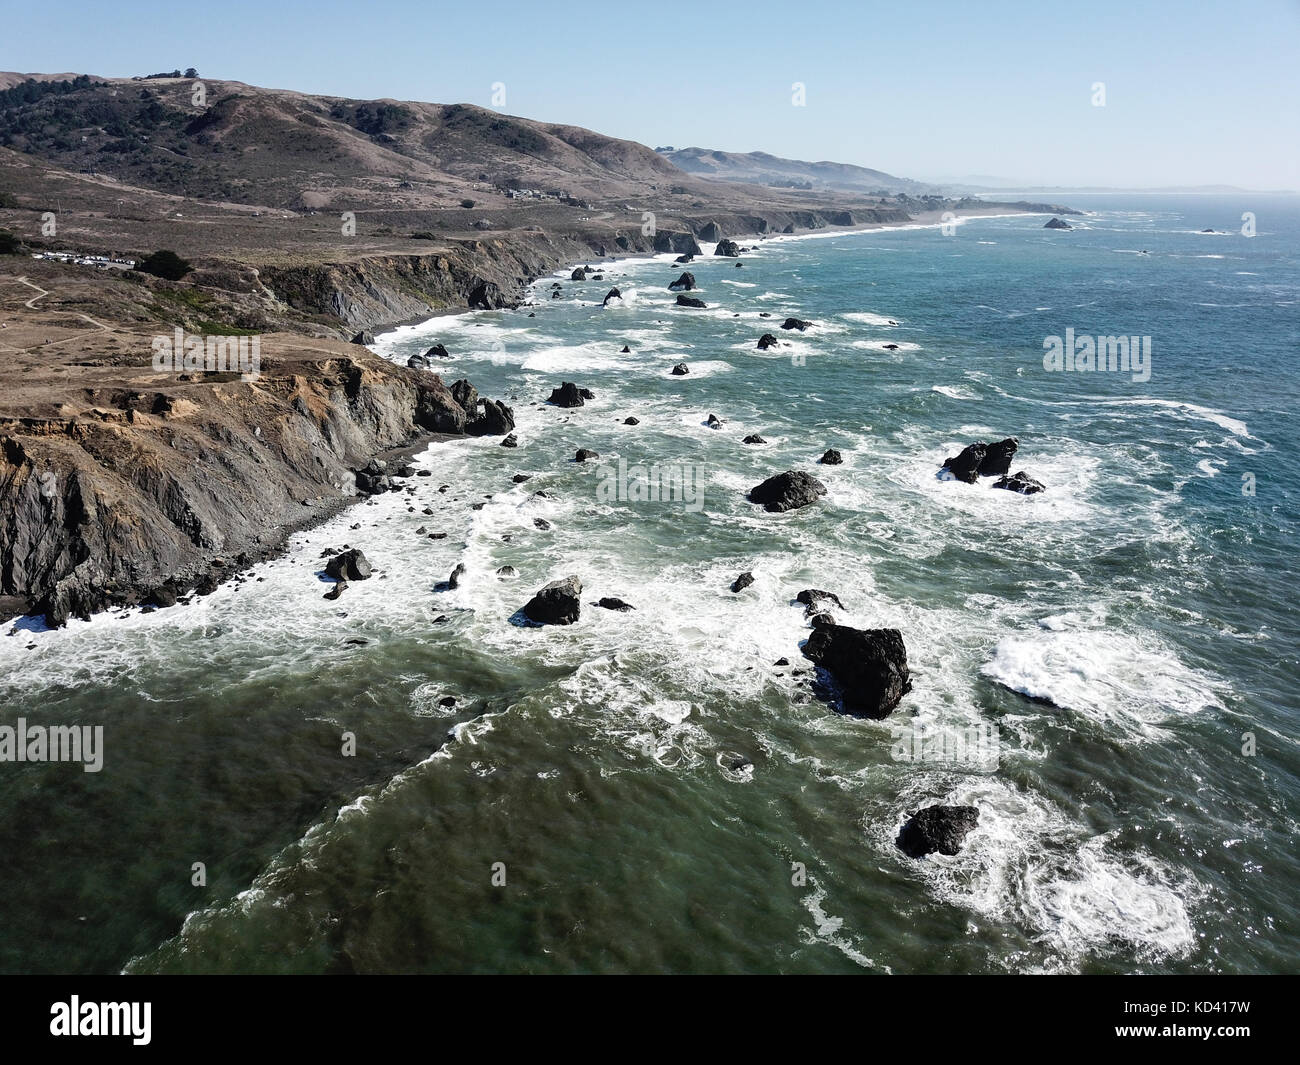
<point x="869" y="665"/>
<point x="787" y="491"/>
<point x="556" y="604"/>
<point x="937" y="828"/>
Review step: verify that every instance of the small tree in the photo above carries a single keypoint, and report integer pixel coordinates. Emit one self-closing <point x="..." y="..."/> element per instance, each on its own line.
<point x="164" y="264"/>
<point x="467" y="204"/>
<point x="190" y="72"/>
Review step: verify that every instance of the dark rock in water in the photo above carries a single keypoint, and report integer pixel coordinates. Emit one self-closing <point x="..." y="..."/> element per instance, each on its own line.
<point x="767" y="340"/>
<point x="631" y="421"/>
<point x="689" y="301"/>
<point x="739" y="265"/>
<point x="586" y="393"/>
<point x="890" y="347"/>
<point x="781" y="662"/>
<point x="714" y="422"/>
<point x="424" y="473"/>
<point x="447" y="701"/>
<point x="493" y="419"/>
<point x="831" y="458"/>
<point x="506" y="572"/>
<point x="610" y="603"/>
<point x="520" y="478"/>
<point x="753" y="438"/>
<point x="510" y="441"/>
<point x="684" y="283"/>
<point x="454" y="580"/>
<point x="824" y="618"/>
<point x="583" y="455"/>
<point x="207" y="584"/>
<point x="626" y="350"/>
<point x="795" y="323"/>
<point x="1020" y="482"/>
<point x="349" y="566"/>
<point x="567" y="395"/>
<point x="684" y="259"/>
<point x="365" y="337"/>
<point x="965" y="466"/>
<point x="728" y="248"/>
<point x="542" y="523"/>
<point x="982" y="460"/>
<point x="555" y="295"/>
<point x="681" y="370"/>
<point x="787" y="491"/>
<point x="437" y="352"/>
<point x="869" y="665"/>
<point x="162" y="596"/>
<point x="937" y="828"/>
<point x="578" y="275"/>
<point x="998" y="456"/>
<point x="417" y="362"/>
<point x="556" y="604"/>
<point x="765" y="314"/>
<point x="612" y="294"/>
<point x="337" y="590"/>
<point x="742" y="582"/>
<point x="556" y="284"/>
<point x="816" y="601"/>
<point x="1056" y="223"/>
<point x="486" y="296"/>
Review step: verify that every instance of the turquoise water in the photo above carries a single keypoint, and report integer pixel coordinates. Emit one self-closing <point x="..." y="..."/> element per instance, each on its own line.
<point x="660" y="796"/>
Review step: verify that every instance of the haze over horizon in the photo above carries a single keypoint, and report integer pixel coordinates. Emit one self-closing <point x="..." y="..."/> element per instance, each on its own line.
<point x="932" y="92"/>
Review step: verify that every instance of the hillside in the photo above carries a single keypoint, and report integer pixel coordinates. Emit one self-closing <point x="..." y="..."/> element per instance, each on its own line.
<point x="760" y="168"/>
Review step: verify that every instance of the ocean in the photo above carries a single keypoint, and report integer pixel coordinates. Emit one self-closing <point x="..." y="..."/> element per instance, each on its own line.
<point x="648" y="791"/>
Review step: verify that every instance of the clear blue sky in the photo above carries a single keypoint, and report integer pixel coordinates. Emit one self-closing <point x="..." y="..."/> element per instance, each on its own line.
<point x="1196" y="92"/>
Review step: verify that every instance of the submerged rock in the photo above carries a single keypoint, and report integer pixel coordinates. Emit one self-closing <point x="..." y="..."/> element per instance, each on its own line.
<point x="767" y="340"/>
<point x="753" y="438"/>
<point x="1056" y="223"/>
<point x="631" y="421"/>
<point x="689" y="301"/>
<point x="937" y="828"/>
<point x="556" y="604"/>
<point x="681" y="370"/>
<point x="869" y="665"/>
<point x="816" y="601"/>
<point x="1020" y="482"/>
<point x="584" y="455"/>
<point x="684" y="283"/>
<point x="795" y="323"/>
<point x="714" y="422"/>
<point x="611" y="603"/>
<point x="787" y="491"/>
<point x="454" y="580"/>
<point x="612" y="294"/>
<point x="728" y="248"/>
<point x="831" y="458"/>
<point x="510" y="441"/>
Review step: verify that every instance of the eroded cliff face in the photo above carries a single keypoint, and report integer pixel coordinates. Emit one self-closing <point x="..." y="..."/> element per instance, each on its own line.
<point x="373" y="291"/>
<point x="180" y="482"/>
